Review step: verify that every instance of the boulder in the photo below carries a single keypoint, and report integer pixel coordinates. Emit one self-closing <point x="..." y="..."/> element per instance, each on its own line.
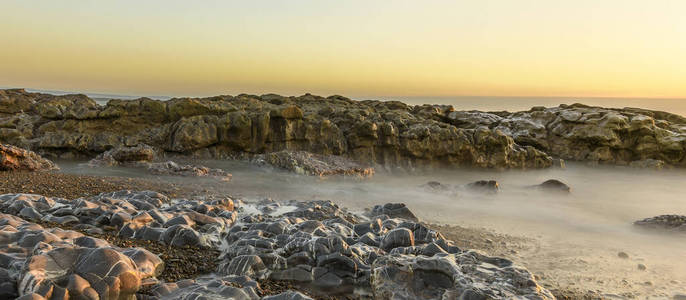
<point x="394" y="210"/>
<point x="485" y="186"/>
<point x="306" y="163"/>
<point x="123" y="155"/>
<point x="554" y="185"/>
<point x="17" y="159"/>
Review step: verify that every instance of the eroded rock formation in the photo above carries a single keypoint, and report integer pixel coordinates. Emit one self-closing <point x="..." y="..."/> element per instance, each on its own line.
<point x="389" y="133"/>
<point x="17" y="159"/>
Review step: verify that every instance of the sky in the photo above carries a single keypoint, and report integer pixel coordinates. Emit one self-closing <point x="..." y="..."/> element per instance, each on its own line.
<point x="369" y="48"/>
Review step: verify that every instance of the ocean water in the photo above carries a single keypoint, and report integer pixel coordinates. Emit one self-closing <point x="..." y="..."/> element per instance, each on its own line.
<point x="676" y="106"/>
<point x="512" y="104"/>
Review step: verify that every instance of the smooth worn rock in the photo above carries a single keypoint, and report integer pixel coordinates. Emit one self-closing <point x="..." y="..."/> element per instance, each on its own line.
<point x="554" y="185"/>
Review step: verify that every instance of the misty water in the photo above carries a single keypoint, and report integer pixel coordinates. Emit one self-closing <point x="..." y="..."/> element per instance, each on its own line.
<point x="574" y="238"/>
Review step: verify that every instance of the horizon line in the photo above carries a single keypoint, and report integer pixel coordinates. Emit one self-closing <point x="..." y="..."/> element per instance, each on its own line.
<point x="386" y="97"/>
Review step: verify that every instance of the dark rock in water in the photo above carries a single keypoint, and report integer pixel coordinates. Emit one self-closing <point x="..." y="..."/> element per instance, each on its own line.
<point x="125" y="155"/>
<point x="675" y="223"/>
<point x="648" y="164"/>
<point x="487" y="186"/>
<point x="172" y="168"/>
<point x="306" y="163"/>
<point x="554" y="185"/>
<point x="17" y="159"/>
<point x="437" y="187"/>
<point x="394" y="210"/>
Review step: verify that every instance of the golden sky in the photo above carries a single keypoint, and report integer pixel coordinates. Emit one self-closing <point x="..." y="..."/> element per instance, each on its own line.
<point x="602" y="48"/>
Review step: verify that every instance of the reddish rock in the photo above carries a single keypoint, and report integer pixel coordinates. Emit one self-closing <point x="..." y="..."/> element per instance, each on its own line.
<point x="17" y="159"/>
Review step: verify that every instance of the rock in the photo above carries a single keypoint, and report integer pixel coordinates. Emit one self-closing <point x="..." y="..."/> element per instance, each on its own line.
<point x="301" y="162"/>
<point x="554" y="185"/>
<point x="60" y="262"/>
<point x="437" y="188"/>
<point x="648" y="164"/>
<point x="124" y="155"/>
<point x="622" y="255"/>
<point x="438" y="277"/>
<point x="486" y="186"/>
<point x="314" y="243"/>
<point x="394" y="210"/>
<point x="16" y="159"/>
<point x="288" y="295"/>
<point x="673" y="223"/>
<point x="388" y="134"/>
<point x="172" y="168"/>
<point x="641" y="267"/>
<point x="679" y="297"/>
<point x="399" y="237"/>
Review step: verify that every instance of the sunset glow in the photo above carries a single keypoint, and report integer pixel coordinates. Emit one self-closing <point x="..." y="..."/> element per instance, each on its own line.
<point x="612" y="48"/>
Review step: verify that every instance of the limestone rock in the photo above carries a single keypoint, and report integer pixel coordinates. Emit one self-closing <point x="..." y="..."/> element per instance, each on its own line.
<point x="125" y="155"/>
<point x="17" y="159"/>
<point x="301" y="162"/>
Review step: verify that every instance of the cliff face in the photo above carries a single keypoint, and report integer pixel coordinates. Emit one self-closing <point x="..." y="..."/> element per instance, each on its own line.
<point x="386" y="133"/>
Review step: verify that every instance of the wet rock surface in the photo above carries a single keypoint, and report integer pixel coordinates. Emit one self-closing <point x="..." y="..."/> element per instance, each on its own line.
<point x="17" y="159"/>
<point x="316" y="247"/>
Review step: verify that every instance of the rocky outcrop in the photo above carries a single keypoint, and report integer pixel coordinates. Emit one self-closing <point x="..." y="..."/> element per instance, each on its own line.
<point x="17" y="159"/>
<point x="389" y="134"/>
<point x="301" y="162"/>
